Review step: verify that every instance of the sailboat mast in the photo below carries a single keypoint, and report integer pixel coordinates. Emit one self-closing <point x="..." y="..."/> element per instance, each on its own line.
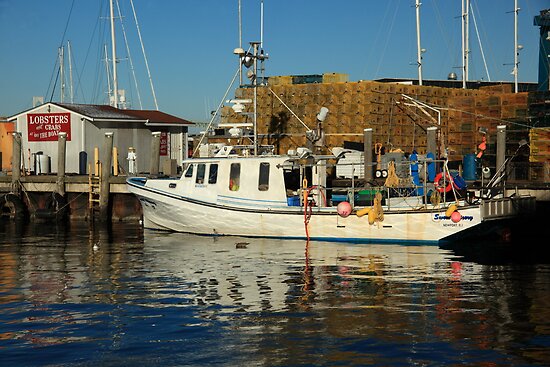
<point x="516" y="46"/>
<point x="465" y="41"/>
<point x="419" y="50"/>
<point x="113" y="45"/>
<point x="62" y="73"/>
<point x="70" y="71"/>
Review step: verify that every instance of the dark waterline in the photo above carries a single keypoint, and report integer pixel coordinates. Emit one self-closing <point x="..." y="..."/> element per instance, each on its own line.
<point x="122" y="296"/>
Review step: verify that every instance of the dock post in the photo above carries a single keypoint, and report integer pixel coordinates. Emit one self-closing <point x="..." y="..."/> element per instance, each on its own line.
<point x="367" y="148"/>
<point x="16" y="164"/>
<point x="155" y="153"/>
<point x="501" y="149"/>
<point x="431" y="145"/>
<point x="105" y="176"/>
<point x="61" y="158"/>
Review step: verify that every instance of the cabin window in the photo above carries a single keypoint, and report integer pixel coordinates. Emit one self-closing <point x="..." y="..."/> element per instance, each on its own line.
<point x="189" y="171"/>
<point x="263" y="180"/>
<point x="201" y="170"/>
<point x="235" y="176"/>
<point x="213" y="174"/>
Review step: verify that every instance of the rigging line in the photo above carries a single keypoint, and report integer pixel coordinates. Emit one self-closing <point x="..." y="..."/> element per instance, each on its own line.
<point x="129" y="54"/>
<point x="55" y="83"/>
<point x="217" y="109"/>
<point x="479" y="41"/>
<point x="288" y="108"/>
<point x="61" y="45"/>
<point x="388" y="35"/>
<point x="485" y="117"/>
<point x="378" y="35"/>
<point x="443" y="28"/>
<point x="144" y="56"/>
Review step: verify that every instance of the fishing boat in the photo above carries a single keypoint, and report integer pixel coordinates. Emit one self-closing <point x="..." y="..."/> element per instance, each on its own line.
<point x="248" y="190"/>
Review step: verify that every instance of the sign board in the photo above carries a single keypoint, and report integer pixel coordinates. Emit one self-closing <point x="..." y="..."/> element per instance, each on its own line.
<point x="163" y="143"/>
<point x="47" y="126"/>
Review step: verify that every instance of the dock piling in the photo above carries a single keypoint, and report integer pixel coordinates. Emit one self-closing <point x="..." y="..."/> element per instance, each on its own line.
<point x="16" y="164"/>
<point x="367" y="147"/>
<point x="155" y="153"/>
<point x="61" y="159"/>
<point x="106" y="162"/>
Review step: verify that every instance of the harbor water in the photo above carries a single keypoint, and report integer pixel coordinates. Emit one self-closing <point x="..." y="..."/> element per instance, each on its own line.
<point x="73" y="295"/>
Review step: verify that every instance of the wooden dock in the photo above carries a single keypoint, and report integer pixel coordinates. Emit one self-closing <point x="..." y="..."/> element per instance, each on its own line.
<point x="38" y="191"/>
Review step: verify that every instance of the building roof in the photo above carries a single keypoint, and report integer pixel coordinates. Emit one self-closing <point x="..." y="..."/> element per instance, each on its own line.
<point x="110" y="113"/>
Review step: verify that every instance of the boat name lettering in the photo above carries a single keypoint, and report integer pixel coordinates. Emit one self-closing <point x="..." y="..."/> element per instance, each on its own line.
<point x="438" y="216"/>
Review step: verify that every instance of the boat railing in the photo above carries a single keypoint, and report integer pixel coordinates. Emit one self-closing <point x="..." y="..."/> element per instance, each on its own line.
<point x="407" y="192"/>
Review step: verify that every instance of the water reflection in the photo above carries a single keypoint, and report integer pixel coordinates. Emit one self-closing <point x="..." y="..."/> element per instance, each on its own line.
<point x="169" y="297"/>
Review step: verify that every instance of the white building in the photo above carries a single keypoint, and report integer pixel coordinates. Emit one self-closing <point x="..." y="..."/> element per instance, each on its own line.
<point x="86" y="126"/>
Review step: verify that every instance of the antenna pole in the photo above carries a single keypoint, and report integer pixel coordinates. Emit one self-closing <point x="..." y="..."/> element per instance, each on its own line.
<point x="262" y="24"/>
<point x="419" y="50"/>
<point x="255" y="45"/>
<point x="113" y="44"/>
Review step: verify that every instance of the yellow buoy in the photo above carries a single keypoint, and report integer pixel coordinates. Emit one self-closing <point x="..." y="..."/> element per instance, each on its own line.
<point x="450" y="210"/>
<point x="362" y="212"/>
<point x="372" y="216"/>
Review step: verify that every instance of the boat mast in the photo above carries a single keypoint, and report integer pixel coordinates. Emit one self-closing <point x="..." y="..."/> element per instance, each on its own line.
<point x="62" y="73"/>
<point x="240" y="45"/>
<point x="419" y="50"/>
<point x="465" y="41"/>
<point x="113" y="45"/>
<point x="516" y="46"/>
<point x="70" y="71"/>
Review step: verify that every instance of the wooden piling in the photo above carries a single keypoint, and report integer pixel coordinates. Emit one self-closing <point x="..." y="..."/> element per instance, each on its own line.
<point x="155" y="153"/>
<point x="501" y="147"/>
<point x="16" y="164"/>
<point x="106" y="162"/>
<point x="367" y="148"/>
<point x="61" y="158"/>
<point x="431" y="141"/>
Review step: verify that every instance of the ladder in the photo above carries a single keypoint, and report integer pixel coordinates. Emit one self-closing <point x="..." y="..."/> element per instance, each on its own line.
<point x="94" y="190"/>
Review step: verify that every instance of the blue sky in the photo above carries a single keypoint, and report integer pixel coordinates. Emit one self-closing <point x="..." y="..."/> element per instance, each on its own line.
<point x="189" y="45"/>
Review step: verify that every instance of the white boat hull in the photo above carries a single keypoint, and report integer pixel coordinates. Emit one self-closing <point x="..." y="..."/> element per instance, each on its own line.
<point x="170" y="212"/>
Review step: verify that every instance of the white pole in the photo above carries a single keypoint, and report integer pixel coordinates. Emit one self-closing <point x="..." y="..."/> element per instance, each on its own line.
<point x="113" y="44"/>
<point x="262" y="24"/>
<point x="62" y="73"/>
<point x="516" y="49"/>
<point x="70" y="71"/>
<point x="463" y="49"/>
<point x="419" y="50"/>
<point x="467" y="35"/>
<point x="240" y="46"/>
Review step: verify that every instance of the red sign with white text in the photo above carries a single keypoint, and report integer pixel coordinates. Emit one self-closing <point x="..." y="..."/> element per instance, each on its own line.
<point x="47" y="126"/>
<point x="163" y="143"/>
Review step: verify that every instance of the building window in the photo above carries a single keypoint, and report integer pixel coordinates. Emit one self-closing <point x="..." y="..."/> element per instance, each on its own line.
<point x="213" y="174"/>
<point x="201" y="170"/>
<point x="235" y="176"/>
<point x="189" y="171"/>
<point x="263" y="180"/>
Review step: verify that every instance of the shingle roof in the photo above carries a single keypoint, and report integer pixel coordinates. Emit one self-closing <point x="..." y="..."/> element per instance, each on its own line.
<point x="111" y="113"/>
